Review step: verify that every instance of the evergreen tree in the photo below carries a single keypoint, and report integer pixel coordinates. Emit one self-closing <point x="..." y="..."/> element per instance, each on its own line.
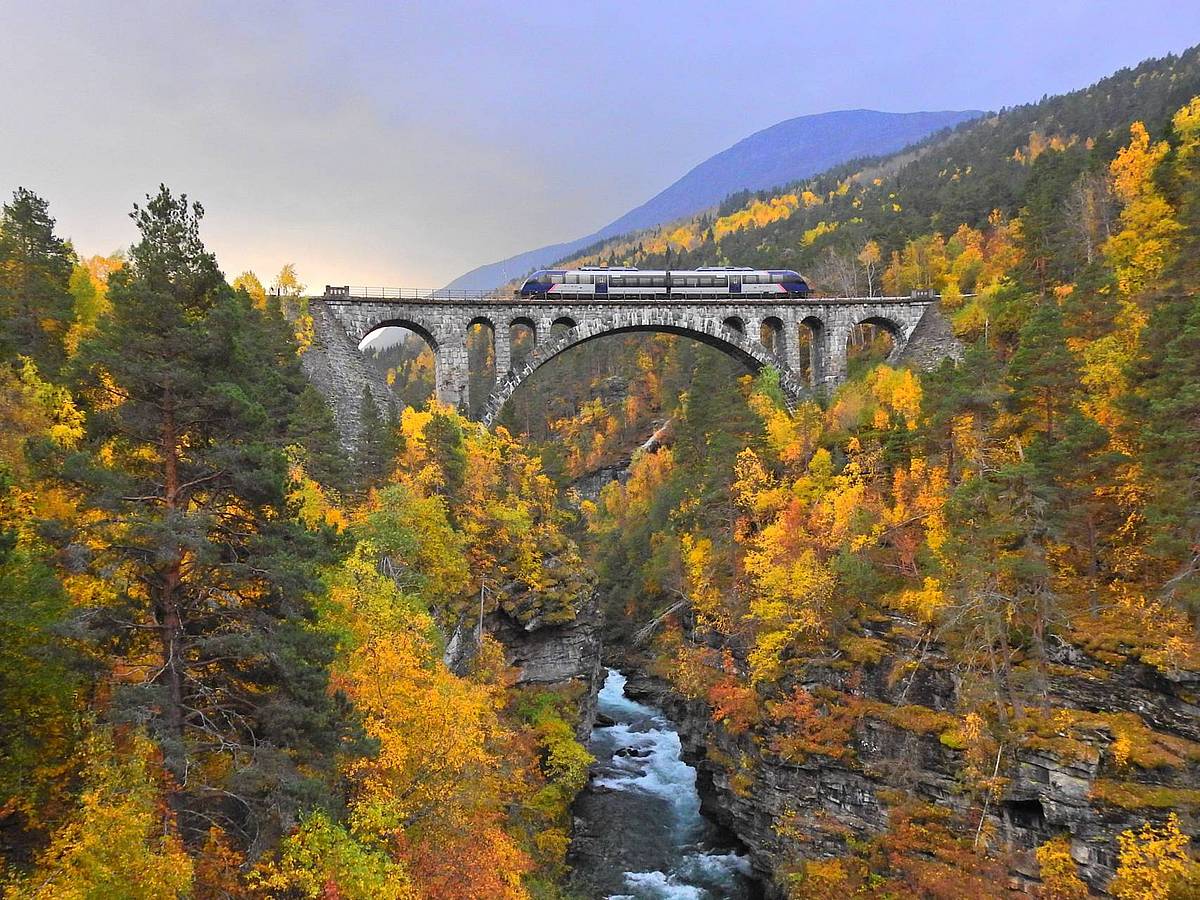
<point x="374" y="446"/>
<point x="312" y="426"/>
<point x="444" y="437"/>
<point x="210" y="574"/>
<point x="956" y="389"/>
<point x="1165" y="403"/>
<point x="35" y="272"/>
<point x="39" y="681"/>
<point x="1043" y="375"/>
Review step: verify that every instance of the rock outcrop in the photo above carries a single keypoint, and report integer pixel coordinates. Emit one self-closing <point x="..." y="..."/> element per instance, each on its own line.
<point x="565" y="654"/>
<point x="561" y="654"/>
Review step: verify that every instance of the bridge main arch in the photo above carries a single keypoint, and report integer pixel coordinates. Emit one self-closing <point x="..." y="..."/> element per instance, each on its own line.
<point x="710" y="331"/>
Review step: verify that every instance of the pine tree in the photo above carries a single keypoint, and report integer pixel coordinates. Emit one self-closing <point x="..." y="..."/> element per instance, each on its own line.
<point x="312" y="426"/>
<point x="955" y="390"/>
<point x="211" y="575"/>
<point x="35" y="272"/>
<point x="1165" y="402"/>
<point x="1043" y="375"/>
<point x="444" y="437"/>
<point x="373" y="455"/>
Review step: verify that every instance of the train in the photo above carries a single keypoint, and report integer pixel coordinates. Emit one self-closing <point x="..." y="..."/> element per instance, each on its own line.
<point x="627" y="282"/>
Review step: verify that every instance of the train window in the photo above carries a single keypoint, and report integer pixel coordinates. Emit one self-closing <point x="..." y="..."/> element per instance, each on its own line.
<point x="556" y="279"/>
<point x="572" y="279"/>
<point x="749" y="278"/>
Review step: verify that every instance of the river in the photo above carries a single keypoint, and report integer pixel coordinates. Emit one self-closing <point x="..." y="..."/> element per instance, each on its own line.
<point x="639" y="831"/>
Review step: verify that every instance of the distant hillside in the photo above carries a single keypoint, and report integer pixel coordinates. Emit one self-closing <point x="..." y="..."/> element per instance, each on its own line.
<point x="794" y="149"/>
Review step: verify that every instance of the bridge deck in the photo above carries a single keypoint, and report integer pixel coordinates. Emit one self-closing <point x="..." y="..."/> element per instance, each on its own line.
<point x="641" y="300"/>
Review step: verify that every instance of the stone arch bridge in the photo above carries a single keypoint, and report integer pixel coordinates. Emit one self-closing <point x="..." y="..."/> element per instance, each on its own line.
<point x="805" y="340"/>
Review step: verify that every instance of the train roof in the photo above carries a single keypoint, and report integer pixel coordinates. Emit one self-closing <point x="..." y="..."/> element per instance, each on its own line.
<point x="619" y="270"/>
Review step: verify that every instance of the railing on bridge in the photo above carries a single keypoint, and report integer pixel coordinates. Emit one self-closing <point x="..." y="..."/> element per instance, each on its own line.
<point x="347" y="291"/>
<point x="396" y="293"/>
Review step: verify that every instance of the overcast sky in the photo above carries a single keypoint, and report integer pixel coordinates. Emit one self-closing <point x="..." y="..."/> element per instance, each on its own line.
<point x="404" y="143"/>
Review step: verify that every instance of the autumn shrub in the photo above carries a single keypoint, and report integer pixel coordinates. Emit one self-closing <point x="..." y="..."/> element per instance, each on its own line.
<point x="562" y="772"/>
<point x="1060" y="878"/>
<point x="808" y="727"/>
<point x="322" y="859"/>
<point x="921" y="853"/>
<point x="734" y="705"/>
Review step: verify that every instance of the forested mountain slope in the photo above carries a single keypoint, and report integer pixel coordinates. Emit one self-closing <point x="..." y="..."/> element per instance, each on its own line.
<point x="820" y="225"/>
<point x="795" y="148"/>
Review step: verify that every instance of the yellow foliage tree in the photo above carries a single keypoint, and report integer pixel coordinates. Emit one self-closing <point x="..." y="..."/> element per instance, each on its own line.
<point x="1155" y="865"/>
<point x="1143" y="247"/>
<point x="249" y="283"/>
<point x="121" y="843"/>
<point x="436" y="775"/>
<point x="1060" y="879"/>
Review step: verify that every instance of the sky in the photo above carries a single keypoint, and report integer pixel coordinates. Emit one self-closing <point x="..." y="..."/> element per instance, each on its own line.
<point x="404" y="143"/>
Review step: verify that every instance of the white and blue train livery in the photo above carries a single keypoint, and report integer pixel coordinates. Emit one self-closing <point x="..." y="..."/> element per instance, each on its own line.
<point x="709" y="282"/>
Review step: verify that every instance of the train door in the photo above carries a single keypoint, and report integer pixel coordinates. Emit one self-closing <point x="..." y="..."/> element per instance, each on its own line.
<point x="735" y="283"/>
<point x="601" y="285"/>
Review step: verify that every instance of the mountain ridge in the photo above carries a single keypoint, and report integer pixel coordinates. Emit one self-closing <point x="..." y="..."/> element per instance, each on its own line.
<point x="786" y="151"/>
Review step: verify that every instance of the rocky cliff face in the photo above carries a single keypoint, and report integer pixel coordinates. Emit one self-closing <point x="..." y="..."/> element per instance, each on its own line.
<point x="1089" y="775"/>
<point x="556" y="654"/>
<point x="560" y="654"/>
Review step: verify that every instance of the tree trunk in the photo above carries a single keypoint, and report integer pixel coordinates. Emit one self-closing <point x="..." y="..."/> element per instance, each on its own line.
<point x="168" y="601"/>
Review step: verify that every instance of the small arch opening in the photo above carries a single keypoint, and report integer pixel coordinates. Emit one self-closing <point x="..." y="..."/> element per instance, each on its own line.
<point x="481" y="364"/>
<point x="808" y="341"/>
<point x="522" y="337"/>
<point x="772" y="335"/>
<point x="735" y="323"/>
<point x="404" y="355"/>
<point x="871" y="341"/>
<point x="562" y="324"/>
